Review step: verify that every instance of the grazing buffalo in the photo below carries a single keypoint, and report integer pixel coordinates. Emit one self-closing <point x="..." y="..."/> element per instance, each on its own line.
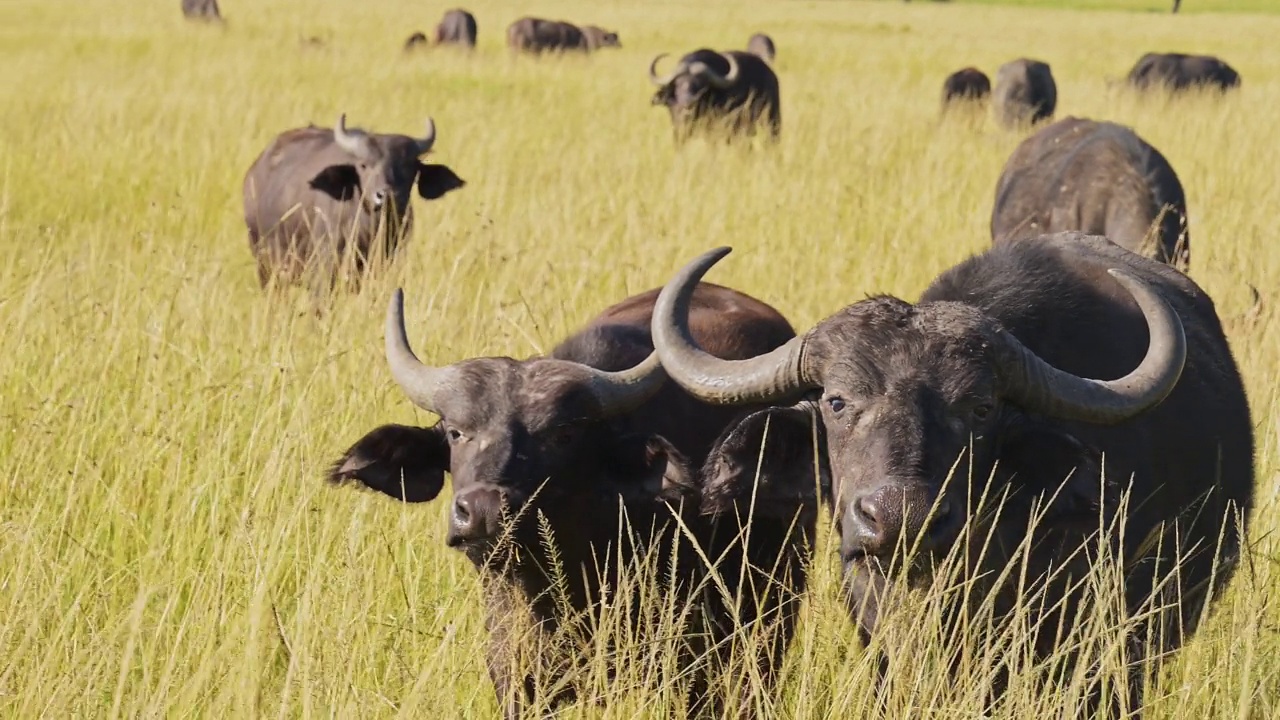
<point x="597" y="37"/>
<point x="535" y="35"/>
<point x="734" y="87"/>
<point x="1025" y="93"/>
<point x="991" y="373"/>
<point x="458" y="27"/>
<point x="1099" y="178"/>
<point x="316" y="193"/>
<point x="967" y="85"/>
<point x="574" y="441"/>
<point x="761" y="46"/>
<point x="1175" y="72"/>
<point x="201" y="10"/>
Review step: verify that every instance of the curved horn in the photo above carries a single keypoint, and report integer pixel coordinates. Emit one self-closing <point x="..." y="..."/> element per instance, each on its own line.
<point x="422" y="384"/>
<point x="666" y="79"/>
<point x="723" y="382"/>
<point x="618" y="392"/>
<point x="1041" y="387"/>
<point x="349" y="142"/>
<point x="427" y="141"/>
<point x="716" y="79"/>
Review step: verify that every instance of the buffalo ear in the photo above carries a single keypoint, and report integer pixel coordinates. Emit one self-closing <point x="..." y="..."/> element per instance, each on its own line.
<point x="340" y="182"/>
<point x="435" y="181"/>
<point x="407" y="463"/>
<point x="1075" y="483"/>
<point x="783" y="477"/>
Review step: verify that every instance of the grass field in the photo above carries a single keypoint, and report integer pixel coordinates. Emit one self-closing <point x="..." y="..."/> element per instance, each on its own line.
<point x="166" y="545"/>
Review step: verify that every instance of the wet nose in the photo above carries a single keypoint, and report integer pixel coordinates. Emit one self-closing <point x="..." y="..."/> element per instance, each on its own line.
<point x="475" y="516"/>
<point x="894" y="515"/>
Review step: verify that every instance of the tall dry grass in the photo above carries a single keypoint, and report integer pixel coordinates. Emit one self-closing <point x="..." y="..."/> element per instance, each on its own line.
<point x="166" y="546"/>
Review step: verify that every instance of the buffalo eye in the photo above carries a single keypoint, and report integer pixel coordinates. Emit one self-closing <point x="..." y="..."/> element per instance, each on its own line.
<point x="564" y="436"/>
<point x="981" y="412"/>
<point x="454" y="434"/>
<point x="836" y="404"/>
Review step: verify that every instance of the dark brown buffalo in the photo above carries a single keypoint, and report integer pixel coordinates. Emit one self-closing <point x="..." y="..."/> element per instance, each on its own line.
<point x="734" y="87"/>
<point x="1099" y="178"/>
<point x="597" y="37"/>
<point x="201" y="10"/>
<point x="316" y="195"/>
<point x="1176" y="72"/>
<point x="1025" y="93"/>
<point x="536" y="36"/>
<point x="994" y="363"/>
<point x="761" y="45"/>
<point x="458" y="27"/>
<point x="566" y="442"/>
<point x="967" y="85"/>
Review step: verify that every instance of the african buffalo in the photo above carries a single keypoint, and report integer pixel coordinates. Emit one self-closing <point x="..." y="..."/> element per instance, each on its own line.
<point x="737" y="87"/>
<point x="572" y="442"/>
<point x="1025" y="93"/>
<point x="597" y="37"/>
<point x="314" y="192"/>
<point x="535" y="35"/>
<point x="1175" y="72"/>
<point x="967" y="85"/>
<point x="761" y="46"/>
<point x="201" y="10"/>
<point x="994" y="363"/>
<point x="458" y="27"/>
<point x="1099" y="178"/>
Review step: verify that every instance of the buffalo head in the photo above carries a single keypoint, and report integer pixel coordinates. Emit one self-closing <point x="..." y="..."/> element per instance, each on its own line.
<point x="382" y="169"/>
<point x="911" y="393"/>
<point x="519" y="438"/>
<point x="697" y="74"/>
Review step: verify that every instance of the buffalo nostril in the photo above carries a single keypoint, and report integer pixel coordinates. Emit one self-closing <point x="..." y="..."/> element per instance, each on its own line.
<point x="868" y="514"/>
<point x="461" y="512"/>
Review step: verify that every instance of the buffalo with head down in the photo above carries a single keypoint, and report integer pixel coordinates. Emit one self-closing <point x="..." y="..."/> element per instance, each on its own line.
<point x="1176" y="72"/>
<point x="1025" y="93"/>
<point x="738" y="88"/>
<point x="1099" y="178"/>
<point x="964" y="86"/>
<point x="318" y="197"/>
<point x="578" y="439"/>
<point x="457" y="27"/>
<point x="206" y="10"/>
<point x="990" y="375"/>
<point x="762" y="46"/>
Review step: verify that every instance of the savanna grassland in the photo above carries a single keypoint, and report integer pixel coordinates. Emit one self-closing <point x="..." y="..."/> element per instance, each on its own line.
<point x="167" y="547"/>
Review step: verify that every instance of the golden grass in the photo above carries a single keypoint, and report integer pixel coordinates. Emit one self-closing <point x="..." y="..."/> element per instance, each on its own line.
<point x="166" y="546"/>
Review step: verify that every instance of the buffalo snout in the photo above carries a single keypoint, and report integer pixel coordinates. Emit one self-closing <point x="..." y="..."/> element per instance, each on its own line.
<point x="476" y="517"/>
<point x="898" y="515"/>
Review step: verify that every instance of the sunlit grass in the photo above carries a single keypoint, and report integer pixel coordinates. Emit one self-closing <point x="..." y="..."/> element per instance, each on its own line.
<point x="166" y="545"/>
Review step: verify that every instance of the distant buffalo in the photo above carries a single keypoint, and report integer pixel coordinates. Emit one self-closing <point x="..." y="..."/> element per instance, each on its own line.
<point x="1025" y="93"/>
<point x="967" y="85"/>
<point x="535" y="35"/>
<point x="458" y="27"/>
<point x="201" y="10"/>
<point x="568" y="468"/>
<point x="316" y="197"/>
<point x="999" y="422"/>
<point x="761" y="45"/>
<point x="1176" y="72"/>
<point x="736" y="87"/>
<point x="597" y="37"/>
<point x="1099" y="178"/>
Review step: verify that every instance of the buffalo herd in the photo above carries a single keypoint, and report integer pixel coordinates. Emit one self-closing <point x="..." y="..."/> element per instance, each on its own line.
<point x="1073" y="374"/>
